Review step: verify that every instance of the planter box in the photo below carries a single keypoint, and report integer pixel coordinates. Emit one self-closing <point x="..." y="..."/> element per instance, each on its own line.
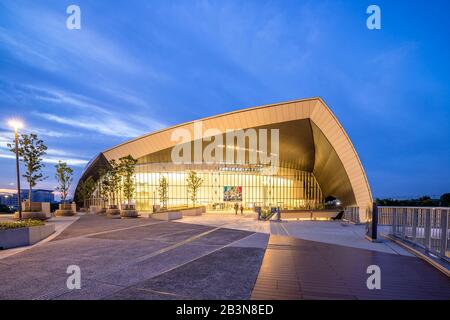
<point x="113" y="213"/>
<point x="97" y="210"/>
<point x="64" y="213"/>
<point x="20" y="237"/>
<point x="128" y="213"/>
<point x="193" y="211"/>
<point x="65" y="206"/>
<point x="32" y="215"/>
<point x="167" y="216"/>
<point x="37" y="207"/>
<point x="65" y="210"/>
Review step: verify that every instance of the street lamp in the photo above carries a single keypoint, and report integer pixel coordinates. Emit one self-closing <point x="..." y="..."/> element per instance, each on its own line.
<point x="16" y="125"/>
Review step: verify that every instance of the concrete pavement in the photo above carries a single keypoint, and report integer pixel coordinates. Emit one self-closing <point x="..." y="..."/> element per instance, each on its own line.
<point x="213" y="257"/>
<point x="136" y="259"/>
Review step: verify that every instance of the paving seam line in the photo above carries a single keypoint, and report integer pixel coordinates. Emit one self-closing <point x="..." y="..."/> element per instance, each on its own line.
<point x="115" y="230"/>
<point x="189" y="261"/>
<point x="204" y="255"/>
<point x="390" y="247"/>
<point x="161" y="292"/>
<point x="285" y="230"/>
<point x="52" y="294"/>
<point x="58" y="292"/>
<point x="174" y="246"/>
<point x="171" y="234"/>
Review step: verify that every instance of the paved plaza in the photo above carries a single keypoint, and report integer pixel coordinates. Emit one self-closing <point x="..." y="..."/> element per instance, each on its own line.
<point x="137" y="259"/>
<point x="213" y="257"/>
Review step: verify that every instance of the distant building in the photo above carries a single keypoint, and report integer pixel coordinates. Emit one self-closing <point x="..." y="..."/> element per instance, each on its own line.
<point x="8" y="199"/>
<point x="39" y="195"/>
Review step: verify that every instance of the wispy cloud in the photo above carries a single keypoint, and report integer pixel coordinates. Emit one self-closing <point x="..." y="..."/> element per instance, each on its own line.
<point x="110" y="127"/>
<point x="69" y="161"/>
<point x="53" y="133"/>
<point x="33" y="50"/>
<point x="43" y="41"/>
<point x="53" y="155"/>
<point x="49" y="159"/>
<point x="22" y="50"/>
<point x="79" y="111"/>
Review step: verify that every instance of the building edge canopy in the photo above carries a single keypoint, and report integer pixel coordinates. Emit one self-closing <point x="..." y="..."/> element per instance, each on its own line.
<point x="314" y="109"/>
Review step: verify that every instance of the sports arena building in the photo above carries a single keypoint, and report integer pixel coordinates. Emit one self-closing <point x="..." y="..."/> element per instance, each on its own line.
<point x="311" y="158"/>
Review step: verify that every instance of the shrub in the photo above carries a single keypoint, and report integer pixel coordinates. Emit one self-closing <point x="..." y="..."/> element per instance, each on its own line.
<point x="20" y="224"/>
<point x="5" y="209"/>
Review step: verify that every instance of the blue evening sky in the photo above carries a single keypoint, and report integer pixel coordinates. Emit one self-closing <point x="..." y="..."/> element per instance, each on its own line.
<point x="137" y="66"/>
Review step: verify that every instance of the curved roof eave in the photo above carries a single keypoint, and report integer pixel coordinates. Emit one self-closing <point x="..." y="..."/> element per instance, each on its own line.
<point x="314" y="109"/>
<point x="209" y="118"/>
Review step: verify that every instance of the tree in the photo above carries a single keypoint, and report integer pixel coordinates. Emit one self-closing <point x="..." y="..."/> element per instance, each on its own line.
<point x="64" y="176"/>
<point x="31" y="149"/>
<point x="115" y="180"/>
<point x="127" y="167"/>
<point x="163" y="191"/>
<point x="445" y="198"/>
<point x="5" y="209"/>
<point x="103" y="185"/>
<point x="87" y="187"/>
<point x="425" y="201"/>
<point x="193" y="184"/>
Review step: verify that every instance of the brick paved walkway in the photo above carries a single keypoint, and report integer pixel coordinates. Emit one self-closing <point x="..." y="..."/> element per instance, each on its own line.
<point x="301" y="269"/>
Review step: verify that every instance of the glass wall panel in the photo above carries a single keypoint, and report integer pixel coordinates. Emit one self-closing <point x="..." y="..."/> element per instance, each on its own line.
<point x="288" y="188"/>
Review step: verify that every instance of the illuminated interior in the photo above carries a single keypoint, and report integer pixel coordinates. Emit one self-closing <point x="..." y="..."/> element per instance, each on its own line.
<point x="290" y="189"/>
<point x="316" y="159"/>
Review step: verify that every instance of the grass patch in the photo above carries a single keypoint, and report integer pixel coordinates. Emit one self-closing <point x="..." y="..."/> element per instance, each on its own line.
<point x="179" y="208"/>
<point x="20" y="224"/>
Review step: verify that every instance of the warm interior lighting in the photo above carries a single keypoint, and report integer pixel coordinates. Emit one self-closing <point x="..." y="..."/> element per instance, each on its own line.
<point x="15" y="124"/>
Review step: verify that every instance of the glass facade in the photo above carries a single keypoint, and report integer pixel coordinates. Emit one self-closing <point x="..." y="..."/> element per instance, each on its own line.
<point x="288" y="188"/>
<point x="232" y="153"/>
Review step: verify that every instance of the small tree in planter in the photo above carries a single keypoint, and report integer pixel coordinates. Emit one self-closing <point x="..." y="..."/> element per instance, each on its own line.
<point x="115" y="186"/>
<point x="163" y="191"/>
<point x="127" y="167"/>
<point x="64" y="177"/>
<point x="87" y="187"/>
<point x="31" y="149"/>
<point x="103" y="187"/>
<point x="193" y="184"/>
<point x="115" y="180"/>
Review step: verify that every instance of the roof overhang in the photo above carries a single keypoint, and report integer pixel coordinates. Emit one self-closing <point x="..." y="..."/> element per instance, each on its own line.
<point x="326" y="150"/>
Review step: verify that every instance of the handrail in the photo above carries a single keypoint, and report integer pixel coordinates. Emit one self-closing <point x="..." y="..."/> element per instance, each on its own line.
<point x="414" y="207"/>
<point x="424" y="227"/>
<point x="351" y="214"/>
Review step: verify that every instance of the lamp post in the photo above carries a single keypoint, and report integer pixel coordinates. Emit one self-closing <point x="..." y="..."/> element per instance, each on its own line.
<point x="16" y="125"/>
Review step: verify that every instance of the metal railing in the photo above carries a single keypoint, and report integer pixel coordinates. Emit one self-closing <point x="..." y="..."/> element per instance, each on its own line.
<point x="352" y="214"/>
<point x="427" y="228"/>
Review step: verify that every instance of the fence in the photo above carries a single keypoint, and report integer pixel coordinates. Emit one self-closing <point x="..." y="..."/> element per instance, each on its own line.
<point x="427" y="228"/>
<point x="352" y="214"/>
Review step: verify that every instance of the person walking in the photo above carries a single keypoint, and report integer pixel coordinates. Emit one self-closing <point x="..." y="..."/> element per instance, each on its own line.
<point x="242" y="209"/>
<point x="236" y="207"/>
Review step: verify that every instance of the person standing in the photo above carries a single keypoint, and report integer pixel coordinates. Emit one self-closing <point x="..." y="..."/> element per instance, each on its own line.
<point x="242" y="209"/>
<point x="236" y="207"/>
